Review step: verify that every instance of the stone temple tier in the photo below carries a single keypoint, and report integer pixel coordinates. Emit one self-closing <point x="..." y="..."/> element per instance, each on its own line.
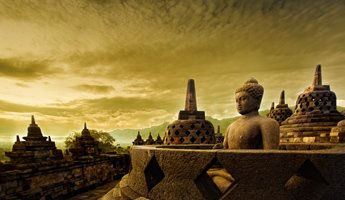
<point x="282" y="110"/>
<point x="191" y="126"/>
<point x="85" y="146"/>
<point x="35" y="148"/>
<point x="314" y="116"/>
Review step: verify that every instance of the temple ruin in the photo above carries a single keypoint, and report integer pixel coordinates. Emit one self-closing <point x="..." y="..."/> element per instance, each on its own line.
<point x="85" y="146"/>
<point x="35" y="149"/>
<point x="38" y="170"/>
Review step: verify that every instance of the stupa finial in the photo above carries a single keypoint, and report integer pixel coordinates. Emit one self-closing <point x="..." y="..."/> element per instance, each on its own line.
<point x="282" y="98"/>
<point x="33" y="120"/>
<point x="317" y="76"/>
<point x="190" y="97"/>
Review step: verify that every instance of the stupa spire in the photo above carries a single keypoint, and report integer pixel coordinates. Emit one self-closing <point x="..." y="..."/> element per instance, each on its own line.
<point x="18" y="139"/>
<point x="317" y="76"/>
<point x="190" y="97"/>
<point x="282" y="98"/>
<point x="85" y="132"/>
<point x="218" y="129"/>
<point x="33" y="120"/>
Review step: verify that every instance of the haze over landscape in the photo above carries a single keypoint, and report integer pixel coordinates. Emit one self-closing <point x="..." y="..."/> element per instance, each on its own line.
<point x="125" y="64"/>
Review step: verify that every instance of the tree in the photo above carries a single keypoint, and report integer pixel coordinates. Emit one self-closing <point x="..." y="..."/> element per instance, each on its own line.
<point x="105" y="140"/>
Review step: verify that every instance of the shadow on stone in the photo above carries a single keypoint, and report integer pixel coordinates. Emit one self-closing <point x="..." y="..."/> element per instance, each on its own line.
<point x="214" y="181"/>
<point x="307" y="183"/>
<point x="153" y="173"/>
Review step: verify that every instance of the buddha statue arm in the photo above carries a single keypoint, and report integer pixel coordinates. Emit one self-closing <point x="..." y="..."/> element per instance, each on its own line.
<point x="270" y="134"/>
<point x="226" y="140"/>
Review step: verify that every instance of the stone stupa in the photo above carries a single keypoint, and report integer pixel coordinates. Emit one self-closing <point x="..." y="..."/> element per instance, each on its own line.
<point x="191" y="126"/>
<point x="139" y="140"/>
<point x="150" y="140"/>
<point x="85" y="146"/>
<point x="282" y="110"/>
<point x="314" y="116"/>
<point x="35" y="149"/>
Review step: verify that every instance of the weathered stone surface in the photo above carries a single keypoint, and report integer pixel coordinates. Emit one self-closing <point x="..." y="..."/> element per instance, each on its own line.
<point x="189" y="132"/>
<point x="264" y="172"/>
<point x="140" y="158"/>
<point x="316" y="111"/>
<point x="182" y="168"/>
<point x="191" y="126"/>
<point x="282" y="111"/>
<point x="55" y="180"/>
<point x="251" y="131"/>
<point x="85" y="147"/>
<point x="35" y="148"/>
<point x="258" y="174"/>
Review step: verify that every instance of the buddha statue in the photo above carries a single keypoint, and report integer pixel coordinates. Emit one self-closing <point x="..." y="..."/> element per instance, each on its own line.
<point x="251" y="131"/>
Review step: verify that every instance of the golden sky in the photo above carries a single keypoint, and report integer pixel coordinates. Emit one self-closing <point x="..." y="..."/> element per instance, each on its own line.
<point x="125" y="64"/>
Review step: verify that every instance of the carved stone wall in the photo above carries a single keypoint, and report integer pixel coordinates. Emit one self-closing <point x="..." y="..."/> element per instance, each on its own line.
<point x="174" y="173"/>
<point x="59" y="180"/>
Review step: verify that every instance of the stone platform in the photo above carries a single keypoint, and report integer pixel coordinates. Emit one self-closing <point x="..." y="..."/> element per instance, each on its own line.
<point x="180" y="172"/>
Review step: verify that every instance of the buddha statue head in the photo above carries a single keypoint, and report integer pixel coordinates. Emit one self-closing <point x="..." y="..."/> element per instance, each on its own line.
<point x="248" y="97"/>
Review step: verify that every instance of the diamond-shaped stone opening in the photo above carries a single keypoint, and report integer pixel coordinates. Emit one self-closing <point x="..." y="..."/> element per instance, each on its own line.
<point x="187" y="133"/>
<point x="192" y="139"/>
<point x="307" y="182"/>
<point x="153" y="173"/>
<point x="214" y="181"/>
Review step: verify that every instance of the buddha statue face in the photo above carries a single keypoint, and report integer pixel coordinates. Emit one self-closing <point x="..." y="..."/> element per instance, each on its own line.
<point x="248" y="97"/>
<point x="245" y="103"/>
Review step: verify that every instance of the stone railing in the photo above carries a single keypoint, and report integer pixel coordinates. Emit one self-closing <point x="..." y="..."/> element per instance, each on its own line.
<point x="181" y="172"/>
<point x="57" y="180"/>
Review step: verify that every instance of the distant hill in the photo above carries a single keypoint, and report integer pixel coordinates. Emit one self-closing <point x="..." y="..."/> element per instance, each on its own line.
<point x="126" y="136"/>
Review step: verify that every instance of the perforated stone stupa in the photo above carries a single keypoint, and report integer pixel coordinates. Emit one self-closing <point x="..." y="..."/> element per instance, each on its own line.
<point x="219" y="136"/>
<point x="150" y="140"/>
<point x="159" y="140"/>
<point x="282" y="110"/>
<point x="139" y="140"/>
<point x="191" y="126"/>
<point x="314" y="116"/>
<point x="35" y="148"/>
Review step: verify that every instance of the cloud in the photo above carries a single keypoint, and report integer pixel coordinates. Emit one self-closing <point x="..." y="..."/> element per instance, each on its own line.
<point x="96" y="89"/>
<point x="25" y="69"/>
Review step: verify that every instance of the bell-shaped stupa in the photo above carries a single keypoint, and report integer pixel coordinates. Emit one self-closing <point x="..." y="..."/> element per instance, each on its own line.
<point x="282" y="110"/>
<point x="191" y="126"/>
<point x="314" y="116"/>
